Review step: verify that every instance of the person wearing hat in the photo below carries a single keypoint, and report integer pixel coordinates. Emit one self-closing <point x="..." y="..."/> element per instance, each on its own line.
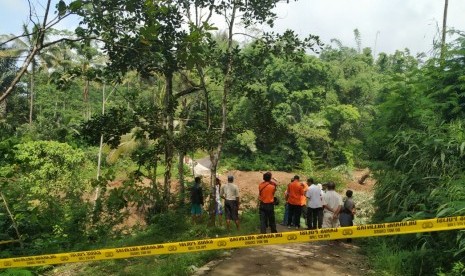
<point x="230" y="193"/>
<point x="266" y="191"/>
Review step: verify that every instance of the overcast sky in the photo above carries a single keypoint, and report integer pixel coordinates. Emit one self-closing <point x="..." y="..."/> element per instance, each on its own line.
<point x="399" y="24"/>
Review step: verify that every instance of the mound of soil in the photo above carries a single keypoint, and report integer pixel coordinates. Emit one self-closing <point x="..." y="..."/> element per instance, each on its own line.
<point x="248" y="181"/>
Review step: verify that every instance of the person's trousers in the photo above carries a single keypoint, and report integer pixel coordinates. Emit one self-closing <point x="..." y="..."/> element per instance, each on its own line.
<point x="286" y="214"/>
<point x="294" y="215"/>
<point x="267" y="217"/>
<point x="314" y="217"/>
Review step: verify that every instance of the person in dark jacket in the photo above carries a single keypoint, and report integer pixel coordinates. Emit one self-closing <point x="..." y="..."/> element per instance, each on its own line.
<point x="196" y="200"/>
<point x="346" y="218"/>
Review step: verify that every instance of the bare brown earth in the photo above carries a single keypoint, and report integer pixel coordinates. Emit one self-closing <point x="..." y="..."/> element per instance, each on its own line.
<point x="311" y="258"/>
<point x="316" y="258"/>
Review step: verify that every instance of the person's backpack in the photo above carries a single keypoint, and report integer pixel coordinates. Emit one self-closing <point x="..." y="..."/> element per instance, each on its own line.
<point x="276" y="201"/>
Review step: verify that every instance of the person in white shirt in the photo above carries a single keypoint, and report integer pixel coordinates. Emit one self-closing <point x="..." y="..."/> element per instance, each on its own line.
<point x="230" y="193"/>
<point x="314" y="205"/>
<point x="332" y="205"/>
<point x="218" y="204"/>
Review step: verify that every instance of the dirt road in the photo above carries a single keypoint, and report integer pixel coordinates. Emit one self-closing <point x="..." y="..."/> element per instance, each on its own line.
<point x="312" y="258"/>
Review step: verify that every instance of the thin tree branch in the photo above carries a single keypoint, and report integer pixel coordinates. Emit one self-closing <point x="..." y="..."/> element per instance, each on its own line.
<point x="16" y="37"/>
<point x="57" y="20"/>
<point x="186" y="91"/>
<point x="186" y="78"/>
<point x="210" y="13"/>
<point x="15" y="226"/>
<point x="20" y="73"/>
<point x="63" y="40"/>
<point x="44" y="25"/>
<point x="244" y="34"/>
<point x="30" y="10"/>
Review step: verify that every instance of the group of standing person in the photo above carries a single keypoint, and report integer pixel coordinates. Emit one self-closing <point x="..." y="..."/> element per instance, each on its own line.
<point x="322" y="208"/>
<point x="228" y="192"/>
<point x="321" y="205"/>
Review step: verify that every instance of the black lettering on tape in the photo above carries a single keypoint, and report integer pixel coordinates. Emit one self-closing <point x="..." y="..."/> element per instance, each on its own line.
<point x="172" y="248"/>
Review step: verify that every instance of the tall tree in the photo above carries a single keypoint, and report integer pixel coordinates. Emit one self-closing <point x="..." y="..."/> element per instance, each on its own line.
<point x="159" y="44"/>
<point x="444" y="28"/>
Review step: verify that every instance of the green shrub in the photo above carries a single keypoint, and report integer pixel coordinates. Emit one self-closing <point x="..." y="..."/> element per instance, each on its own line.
<point x="458" y="269"/>
<point x="388" y="261"/>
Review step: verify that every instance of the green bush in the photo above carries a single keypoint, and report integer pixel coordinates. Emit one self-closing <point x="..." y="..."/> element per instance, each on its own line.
<point x="388" y="261"/>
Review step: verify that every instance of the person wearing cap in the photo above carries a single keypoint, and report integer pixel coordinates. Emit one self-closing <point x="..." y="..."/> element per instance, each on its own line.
<point x="266" y="191"/>
<point x="314" y="205"/>
<point x="295" y="191"/>
<point x="230" y="193"/>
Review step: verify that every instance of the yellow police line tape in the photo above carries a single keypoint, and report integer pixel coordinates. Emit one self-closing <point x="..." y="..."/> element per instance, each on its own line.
<point x="369" y="230"/>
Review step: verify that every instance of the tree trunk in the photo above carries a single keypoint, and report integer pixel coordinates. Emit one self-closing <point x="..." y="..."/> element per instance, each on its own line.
<point x="99" y="159"/>
<point x="444" y="29"/>
<point x="182" y="190"/>
<point x="182" y="154"/>
<point x="85" y="96"/>
<point x="169" y="128"/>
<point x="31" y="93"/>
<point x="215" y="154"/>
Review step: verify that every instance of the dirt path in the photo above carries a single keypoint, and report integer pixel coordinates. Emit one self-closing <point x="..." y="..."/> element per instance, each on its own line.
<point x="312" y="258"/>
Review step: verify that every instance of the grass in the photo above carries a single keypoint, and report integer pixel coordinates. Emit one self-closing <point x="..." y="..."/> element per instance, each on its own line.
<point x="385" y="260"/>
<point x="169" y="227"/>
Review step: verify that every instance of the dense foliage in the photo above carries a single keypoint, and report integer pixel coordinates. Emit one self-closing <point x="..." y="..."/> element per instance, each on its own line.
<point x="417" y="143"/>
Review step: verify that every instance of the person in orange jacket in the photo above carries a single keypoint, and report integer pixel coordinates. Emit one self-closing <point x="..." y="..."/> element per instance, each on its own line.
<point x="266" y="191"/>
<point x="295" y="191"/>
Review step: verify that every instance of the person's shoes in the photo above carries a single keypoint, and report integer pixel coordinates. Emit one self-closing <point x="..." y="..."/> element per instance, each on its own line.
<point x="288" y="227"/>
<point x="297" y="227"/>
